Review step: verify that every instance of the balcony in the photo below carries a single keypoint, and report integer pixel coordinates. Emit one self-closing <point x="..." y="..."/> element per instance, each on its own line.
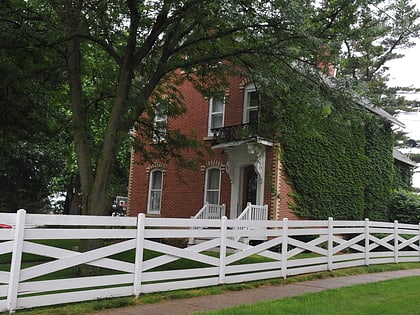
<point x="238" y="134"/>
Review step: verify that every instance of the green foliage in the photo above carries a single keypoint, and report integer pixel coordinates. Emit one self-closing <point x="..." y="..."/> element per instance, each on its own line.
<point x="379" y="171"/>
<point x="415" y="157"/>
<point x="325" y="166"/>
<point x="340" y="164"/>
<point x="405" y="207"/>
<point x="32" y="127"/>
<point x="117" y="55"/>
<point x="403" y="176"/>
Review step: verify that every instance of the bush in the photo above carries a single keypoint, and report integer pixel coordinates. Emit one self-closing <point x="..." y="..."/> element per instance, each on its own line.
<point x="405" y="207"/>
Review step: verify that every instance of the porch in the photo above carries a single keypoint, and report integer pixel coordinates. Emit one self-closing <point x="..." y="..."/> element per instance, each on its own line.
<point x="236" y="134"/>
<point x="217" y="212"/>
<point x="246" y="154"/>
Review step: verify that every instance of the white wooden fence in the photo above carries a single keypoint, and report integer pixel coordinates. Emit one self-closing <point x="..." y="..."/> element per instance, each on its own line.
<point x="30" y="281"/>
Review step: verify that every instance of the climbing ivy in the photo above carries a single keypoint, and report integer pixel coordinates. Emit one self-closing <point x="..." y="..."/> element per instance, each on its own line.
<point x="403" y="176"/>
<point x="380" y="174"/>
<point x="338" y="161"/>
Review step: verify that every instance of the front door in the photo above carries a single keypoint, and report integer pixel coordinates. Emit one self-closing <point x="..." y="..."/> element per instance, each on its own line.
<point x="249" y="190"/>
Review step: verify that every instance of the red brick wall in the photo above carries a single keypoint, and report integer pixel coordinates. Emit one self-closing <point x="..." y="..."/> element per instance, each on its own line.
<point x="183" y="191"/>
<point x="279" y="190"/>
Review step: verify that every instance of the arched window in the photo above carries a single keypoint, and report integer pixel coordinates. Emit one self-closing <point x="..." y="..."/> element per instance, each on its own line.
<point x="212" y="191"/>
<point x="155" y="191"/>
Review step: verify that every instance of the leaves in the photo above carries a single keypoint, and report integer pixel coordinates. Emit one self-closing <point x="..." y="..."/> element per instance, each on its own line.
<point x="121" y="58"/>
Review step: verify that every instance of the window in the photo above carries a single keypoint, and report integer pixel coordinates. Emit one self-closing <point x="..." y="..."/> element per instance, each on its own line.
<point x="160" y="123"/>
<point x="216" y="112"/>
<point x="155" y="191"/>
<point x="212" y="193"/>
<point x="251" y="105"/>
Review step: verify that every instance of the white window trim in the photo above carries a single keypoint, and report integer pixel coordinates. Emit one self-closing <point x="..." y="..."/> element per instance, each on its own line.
<point x="149" y="211"/>
<point x="206" y="182"/>
<point x="160" y="119"/>
<point x="209" y="132"/>
<point x="249" y="88"/>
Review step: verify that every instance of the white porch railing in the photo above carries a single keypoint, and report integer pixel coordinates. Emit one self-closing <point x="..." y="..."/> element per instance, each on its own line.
<point x="253" y="213"/>
<point x="211" y="212"/>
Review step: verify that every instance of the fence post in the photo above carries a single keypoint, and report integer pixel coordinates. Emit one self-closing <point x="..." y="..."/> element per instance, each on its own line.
<point x="191" y="238"/>
<point x="15" y="265"/>
<point x="419" y="241"/>
<point x="330" y="243"/>
<point x="284" y="248"/>
<point x="396" y="242"/>
<point x="222" y="254"/>
<point x="138" y="264"/>
<point x="367" y="242"/>
<point x="223" y="210"/>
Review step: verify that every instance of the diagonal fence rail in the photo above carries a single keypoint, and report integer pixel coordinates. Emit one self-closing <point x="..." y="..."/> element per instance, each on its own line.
<point x="40" y="255"/>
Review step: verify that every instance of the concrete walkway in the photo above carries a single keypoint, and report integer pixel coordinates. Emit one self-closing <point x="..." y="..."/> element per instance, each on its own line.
<point x="265" y="293"/>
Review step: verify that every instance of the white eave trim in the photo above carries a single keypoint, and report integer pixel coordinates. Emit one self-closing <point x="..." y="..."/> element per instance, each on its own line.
<point x="364" y="102"/>
<point x="379" y="111"/>
<point x="403" y="158"/>
<point x="258" y="140"/>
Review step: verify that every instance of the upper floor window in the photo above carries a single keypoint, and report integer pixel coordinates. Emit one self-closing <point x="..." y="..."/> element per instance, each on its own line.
<point x="155" y="192"/>
<point x="160" y="123"/>
<point x="251" y="102"/>
<point x="216" y="112"/>
<point x="212" y="192"/>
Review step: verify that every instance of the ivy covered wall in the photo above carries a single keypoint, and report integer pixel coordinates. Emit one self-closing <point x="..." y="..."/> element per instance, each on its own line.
<point x="403" y="176"/>
<point x="337" y="159"/>
<point x="380" y="172"/>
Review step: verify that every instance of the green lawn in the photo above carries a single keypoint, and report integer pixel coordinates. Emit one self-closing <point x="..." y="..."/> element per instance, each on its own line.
<point x="394" y="297"/>
<point x="92" y="306"/>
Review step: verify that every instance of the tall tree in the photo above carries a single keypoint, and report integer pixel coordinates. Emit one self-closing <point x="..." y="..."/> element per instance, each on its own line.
<point x="123" y="58"/>
<point x="379" y="32"/>
<point x="31" y="120"/>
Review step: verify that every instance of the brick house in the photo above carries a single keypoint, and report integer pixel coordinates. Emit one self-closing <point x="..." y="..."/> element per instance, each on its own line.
<point x="244" y="167"/>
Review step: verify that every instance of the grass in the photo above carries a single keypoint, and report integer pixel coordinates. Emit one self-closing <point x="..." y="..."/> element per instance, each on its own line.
<point x="396" y="297"/>
<point x="95" y="306"/>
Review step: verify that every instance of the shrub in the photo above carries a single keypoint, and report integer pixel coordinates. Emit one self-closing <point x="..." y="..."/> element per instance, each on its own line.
<point x="405" y="207"/>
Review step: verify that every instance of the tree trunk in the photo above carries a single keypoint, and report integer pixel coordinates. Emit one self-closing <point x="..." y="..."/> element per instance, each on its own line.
<point x="80" y="124"/>
<point x="72" y="205"/>
<point x="79" y="119"/>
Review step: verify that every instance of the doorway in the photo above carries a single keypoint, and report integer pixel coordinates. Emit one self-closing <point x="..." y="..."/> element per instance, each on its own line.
<point x="249" y="186"/>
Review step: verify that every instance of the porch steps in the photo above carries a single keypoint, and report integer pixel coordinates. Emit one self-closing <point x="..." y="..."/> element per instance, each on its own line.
<point x="251" y="212"/>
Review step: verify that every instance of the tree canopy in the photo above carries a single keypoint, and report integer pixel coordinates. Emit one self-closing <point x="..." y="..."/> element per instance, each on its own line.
<point x="115" y="61"/>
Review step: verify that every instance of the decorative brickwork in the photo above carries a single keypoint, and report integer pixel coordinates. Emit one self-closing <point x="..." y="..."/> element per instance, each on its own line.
<point x="213" y="163"/>
<point x="183" y="190"/>
<point x="156" y="165"/>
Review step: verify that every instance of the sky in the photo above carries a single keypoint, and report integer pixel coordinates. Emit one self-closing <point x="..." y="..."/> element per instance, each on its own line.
<point x="406" y="72"/>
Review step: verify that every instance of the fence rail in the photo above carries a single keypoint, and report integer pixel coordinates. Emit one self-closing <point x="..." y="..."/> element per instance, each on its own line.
<point x="37" y="264"/>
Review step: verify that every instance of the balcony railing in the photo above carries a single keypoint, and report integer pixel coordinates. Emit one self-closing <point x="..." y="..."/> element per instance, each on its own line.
<point x="237" y="133"/>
